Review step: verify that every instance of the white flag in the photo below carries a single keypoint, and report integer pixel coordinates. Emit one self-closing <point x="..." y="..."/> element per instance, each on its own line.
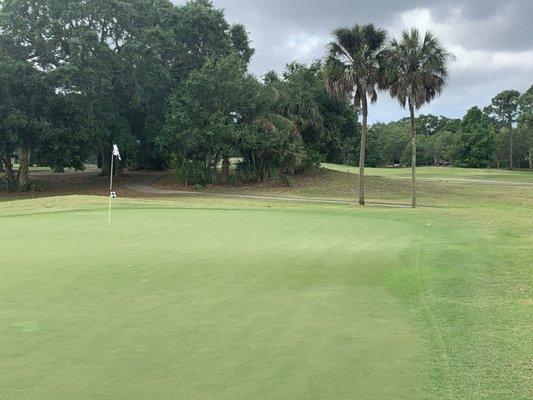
<point x="116" y="152"/>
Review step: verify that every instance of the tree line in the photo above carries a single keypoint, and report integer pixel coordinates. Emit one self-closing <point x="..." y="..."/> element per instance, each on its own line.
<point x="170" y="85"/>
<point x="481" y="139"/>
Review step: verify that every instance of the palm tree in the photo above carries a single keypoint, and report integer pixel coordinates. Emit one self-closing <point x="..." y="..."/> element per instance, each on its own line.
<point x="353" y="70"/>
<point x="416" y="72"/>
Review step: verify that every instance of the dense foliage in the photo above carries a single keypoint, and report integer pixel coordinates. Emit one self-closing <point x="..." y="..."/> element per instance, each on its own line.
<point x="477" y="140"/>
<point x="170" y="85"/>
<point x="276" y="126"/>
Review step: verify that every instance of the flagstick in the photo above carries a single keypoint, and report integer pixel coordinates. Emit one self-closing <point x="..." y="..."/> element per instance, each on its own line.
<point x="109" y="218"/>
<point x="111" y="184"/>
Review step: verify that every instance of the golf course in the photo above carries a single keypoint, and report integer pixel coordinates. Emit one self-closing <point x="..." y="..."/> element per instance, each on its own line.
<point x="199" y="297"/>
<point x="266" y="200"/>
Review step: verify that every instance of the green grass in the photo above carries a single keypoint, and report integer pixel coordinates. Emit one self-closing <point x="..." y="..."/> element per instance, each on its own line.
<point x="444" y="173"/>
<point x="443" y="192"/>
<point x="237" y="299"/>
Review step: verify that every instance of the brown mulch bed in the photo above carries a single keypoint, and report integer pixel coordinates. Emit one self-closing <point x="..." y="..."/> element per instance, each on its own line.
<point x="72" y="183"/>
<point x="308" y="179"/>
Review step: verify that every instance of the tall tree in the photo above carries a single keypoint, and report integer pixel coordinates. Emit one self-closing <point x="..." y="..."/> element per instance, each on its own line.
<point x="322" y="120"/>
<point x="167" y="46"/>
<point x="8" y="138"/>
<point x="416" y="70"/>
<point x="353" y="70"/>
<point x="525" y="121"/>
<point x="476" y="140"/>
<point x="504" y="107"/>
<point x="80" y="44"/>
<point x="203" y="116"/>
<point x="25" y="108"/>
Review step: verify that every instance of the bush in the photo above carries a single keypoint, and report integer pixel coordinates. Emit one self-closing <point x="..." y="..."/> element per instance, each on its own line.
<point x="192" y="172"/>
<point x="312" y="159"/>
<point x="287" y="181"/>
<point x="234" y="180"/>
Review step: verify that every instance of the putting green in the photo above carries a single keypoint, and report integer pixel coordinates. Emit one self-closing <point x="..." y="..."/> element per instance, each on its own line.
<point x="233" y="304"/>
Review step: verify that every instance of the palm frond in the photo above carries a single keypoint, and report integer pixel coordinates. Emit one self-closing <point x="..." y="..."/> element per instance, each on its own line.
<point x="416" y="68"/>
<point x="353" y="66"/>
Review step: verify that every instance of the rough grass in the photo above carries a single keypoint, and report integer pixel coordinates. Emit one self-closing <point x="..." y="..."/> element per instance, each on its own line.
<point x="320" y="183"/>
<point x="342" y="185"/>
<point x="202" y="298"/>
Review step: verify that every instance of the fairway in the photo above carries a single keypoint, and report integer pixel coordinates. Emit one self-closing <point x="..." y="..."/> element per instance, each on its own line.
<point x="227" y="301"/>
<point x="471" y="175"/>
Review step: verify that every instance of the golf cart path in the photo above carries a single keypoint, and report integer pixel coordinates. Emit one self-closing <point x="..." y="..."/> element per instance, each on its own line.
<point x="143" y="184"/>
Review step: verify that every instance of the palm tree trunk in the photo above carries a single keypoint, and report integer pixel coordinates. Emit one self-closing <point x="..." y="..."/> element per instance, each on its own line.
<point x="24" y="168"/>
<point x="413" y="155"/>
<point x="362" y="153"/>
<point x="511" y="147"/>
<point x="224" y="175"/>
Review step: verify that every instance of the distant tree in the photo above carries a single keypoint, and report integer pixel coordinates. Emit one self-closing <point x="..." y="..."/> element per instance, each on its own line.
<point x="393" y="138"/>
<point x="501" y="147"/>
<point x="504" y="108"/>
<point x="353" y="70"/>
<point x="445" y="146"/>
<point x="425" y="152"/>
<point x="416" y="70"/>
<point x="430" y="125"/>
<point x="449" y="124"/>
<point x="476" y="141"/>
<point x="427" y="124"/>
<point x="525" y="122"/>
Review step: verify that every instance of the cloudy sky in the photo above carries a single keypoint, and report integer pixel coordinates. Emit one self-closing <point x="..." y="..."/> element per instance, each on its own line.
<point x="492" y="40"/>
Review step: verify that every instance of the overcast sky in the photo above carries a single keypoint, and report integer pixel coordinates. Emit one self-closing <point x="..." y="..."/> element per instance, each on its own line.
<point x="492" y="40"/>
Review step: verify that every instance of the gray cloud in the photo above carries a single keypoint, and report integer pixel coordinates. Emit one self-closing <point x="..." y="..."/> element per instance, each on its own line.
<point x="491" y="39"/>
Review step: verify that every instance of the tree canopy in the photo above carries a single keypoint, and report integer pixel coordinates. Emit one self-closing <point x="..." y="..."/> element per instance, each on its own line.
<point x="170" y="85"/>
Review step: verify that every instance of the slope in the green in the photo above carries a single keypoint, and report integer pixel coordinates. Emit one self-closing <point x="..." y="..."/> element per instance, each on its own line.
<point x="305" y="302"/>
